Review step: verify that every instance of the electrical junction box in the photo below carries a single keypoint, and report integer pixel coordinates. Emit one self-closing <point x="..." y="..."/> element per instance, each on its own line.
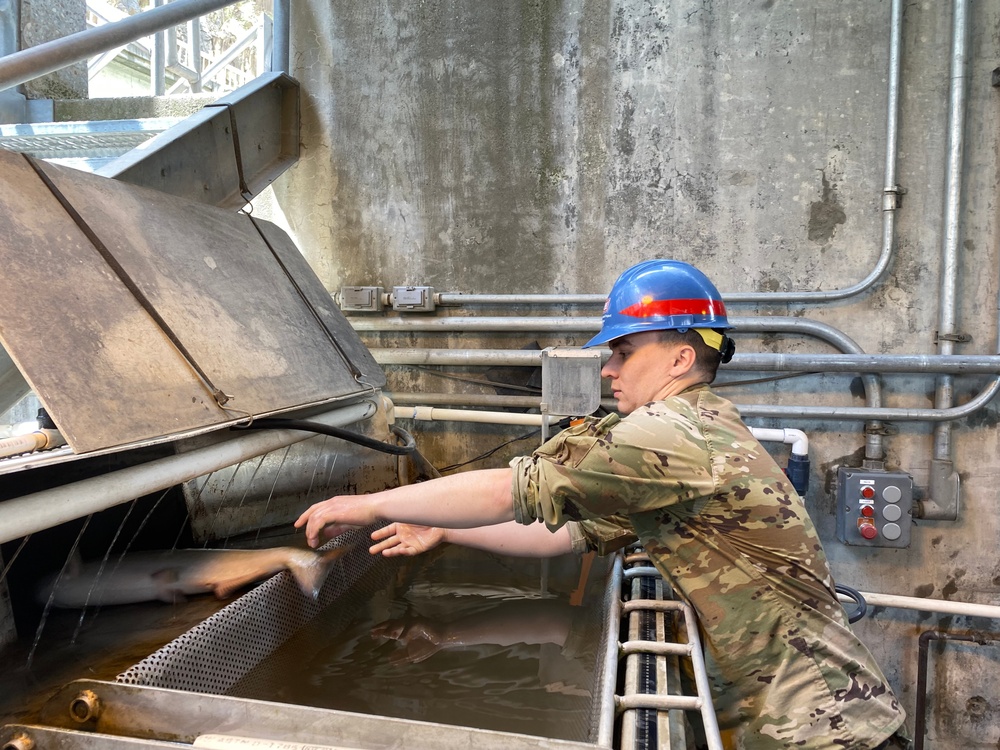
<point x="571" y="381"/>
<point x="874" y="508"/>
<point x="413" y="298"/>
<point x="361" y="298"/>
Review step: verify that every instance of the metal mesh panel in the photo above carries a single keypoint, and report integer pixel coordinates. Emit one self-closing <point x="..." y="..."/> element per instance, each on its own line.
<point x="232" y="653"/>
<point x="216" y="654"/>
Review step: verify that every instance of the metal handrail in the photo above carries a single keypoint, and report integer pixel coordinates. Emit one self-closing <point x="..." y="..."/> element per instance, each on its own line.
<point x="631" y="700"/>
<point x="48" y="57"/>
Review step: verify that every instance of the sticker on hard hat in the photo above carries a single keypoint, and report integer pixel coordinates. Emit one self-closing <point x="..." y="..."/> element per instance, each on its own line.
<point x="647" y="308"/>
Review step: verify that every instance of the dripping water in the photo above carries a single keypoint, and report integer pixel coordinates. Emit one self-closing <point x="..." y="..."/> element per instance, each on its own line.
<point x="48" y="604"/>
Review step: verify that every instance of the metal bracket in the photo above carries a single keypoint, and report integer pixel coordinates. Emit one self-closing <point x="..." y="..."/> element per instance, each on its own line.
<point x="959" y="338"/>
<point x="892" y="197"/>
<point x="881" y="429"/>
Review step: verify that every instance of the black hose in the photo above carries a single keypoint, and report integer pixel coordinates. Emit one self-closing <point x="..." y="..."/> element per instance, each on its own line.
<point x="276" y="423"/>
<point x="862" y="608"/>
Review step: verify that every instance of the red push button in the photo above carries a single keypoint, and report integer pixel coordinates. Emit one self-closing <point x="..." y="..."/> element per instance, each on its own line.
<point x="868" y="531"/>
<point x="867" y="511"/>
<point x="868" y="492"/>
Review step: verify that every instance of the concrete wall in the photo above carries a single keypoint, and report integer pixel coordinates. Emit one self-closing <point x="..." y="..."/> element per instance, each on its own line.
<point x="543" y="146"/>
<point x="45" y="20"/>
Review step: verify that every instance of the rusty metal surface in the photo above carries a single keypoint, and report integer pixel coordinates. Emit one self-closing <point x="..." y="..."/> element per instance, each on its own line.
<point x="96" y="359"/>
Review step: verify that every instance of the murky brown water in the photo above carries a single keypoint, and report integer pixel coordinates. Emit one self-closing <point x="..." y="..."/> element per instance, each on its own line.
<point x="110" y="640"/>
<point x="461" y="637"/>
<point x="470" y="639"/>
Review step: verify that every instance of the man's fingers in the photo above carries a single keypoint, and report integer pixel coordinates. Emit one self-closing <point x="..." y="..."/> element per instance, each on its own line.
<point x="384" y="533"/>
<point x="386" y="544"/>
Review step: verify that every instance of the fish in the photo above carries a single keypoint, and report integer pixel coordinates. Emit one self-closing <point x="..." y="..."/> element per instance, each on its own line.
<point x="172" y="575"/>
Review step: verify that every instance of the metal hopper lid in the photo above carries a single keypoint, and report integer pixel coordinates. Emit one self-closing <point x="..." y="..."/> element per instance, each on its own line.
<point x="128" y="310"/>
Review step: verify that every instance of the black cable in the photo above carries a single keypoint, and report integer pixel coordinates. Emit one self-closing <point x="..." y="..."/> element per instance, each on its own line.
<point x="769" y="379"/>
<point x="862" y="608"/>
<point x="276" y="423"/>
<point x="562" y="424"/>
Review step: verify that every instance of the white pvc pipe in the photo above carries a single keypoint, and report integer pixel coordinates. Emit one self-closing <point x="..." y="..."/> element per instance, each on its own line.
<point x="795" y="438"/>
<point x="434" y="414"/>
<point x="43" y="510"/>
<point x="13" y="446"/>
<point x="937" y="606"/>
<point x="30" y="442"/>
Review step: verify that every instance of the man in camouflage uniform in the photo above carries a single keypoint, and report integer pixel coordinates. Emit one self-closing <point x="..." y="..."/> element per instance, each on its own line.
<point x="717" y="516"/>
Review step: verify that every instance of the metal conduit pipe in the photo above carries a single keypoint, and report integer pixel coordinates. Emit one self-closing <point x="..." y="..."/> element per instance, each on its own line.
<point x="42" y="510"/>
<point x="762" y="362"/>
<point x="980" y="639"/>
<point x="281" y="38"/>
<point x="761" y="324"/>
<point x="460" y="299"/>
<point x="944" y="486"/>
<point x="890" y="202"/>
<point x="47" y="57"/>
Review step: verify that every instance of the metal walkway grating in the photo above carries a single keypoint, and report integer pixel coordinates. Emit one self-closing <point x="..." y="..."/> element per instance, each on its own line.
<point x="84" y="145"/>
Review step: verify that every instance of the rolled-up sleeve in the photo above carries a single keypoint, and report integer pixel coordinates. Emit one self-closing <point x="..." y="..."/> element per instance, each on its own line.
<point x="607" y="468"/>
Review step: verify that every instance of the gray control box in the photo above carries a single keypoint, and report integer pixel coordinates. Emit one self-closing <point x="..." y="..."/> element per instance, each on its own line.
<point x="874" y="508"/>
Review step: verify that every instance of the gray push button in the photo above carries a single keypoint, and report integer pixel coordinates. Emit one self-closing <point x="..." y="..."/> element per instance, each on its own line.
<point x="891" y="494"/>
<point x="892" y="513"/>
<point x="891" y="531"/>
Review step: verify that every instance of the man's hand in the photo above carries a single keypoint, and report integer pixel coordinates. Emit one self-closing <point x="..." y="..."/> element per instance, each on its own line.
<point x="335" y="516"/>
<point x="405" y="539"/>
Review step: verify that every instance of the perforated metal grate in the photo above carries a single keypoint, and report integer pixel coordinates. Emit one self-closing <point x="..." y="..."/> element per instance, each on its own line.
<point x="217" y="653"/>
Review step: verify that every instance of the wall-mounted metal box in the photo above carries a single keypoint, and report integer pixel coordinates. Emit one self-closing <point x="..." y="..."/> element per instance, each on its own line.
<point x="874" y="508"/>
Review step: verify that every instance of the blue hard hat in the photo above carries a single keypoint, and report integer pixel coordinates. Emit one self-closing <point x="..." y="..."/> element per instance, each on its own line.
<point x="658" y="295"/>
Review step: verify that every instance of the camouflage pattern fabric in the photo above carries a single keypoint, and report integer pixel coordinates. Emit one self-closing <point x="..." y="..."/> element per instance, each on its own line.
<point x="722" y="523"/>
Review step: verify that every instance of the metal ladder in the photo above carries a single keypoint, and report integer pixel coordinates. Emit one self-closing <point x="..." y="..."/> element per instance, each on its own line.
<point x="652" y="656"/>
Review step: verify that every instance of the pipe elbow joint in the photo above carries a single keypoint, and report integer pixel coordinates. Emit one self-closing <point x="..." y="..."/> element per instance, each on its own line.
<point x="944" y="493"/>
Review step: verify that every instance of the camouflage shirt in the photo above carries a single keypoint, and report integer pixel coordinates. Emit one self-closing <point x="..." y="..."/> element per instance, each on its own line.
<point x="723" y="524"/>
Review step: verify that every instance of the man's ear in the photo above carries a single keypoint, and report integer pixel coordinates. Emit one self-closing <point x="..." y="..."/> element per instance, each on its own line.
<point x="684" y="360"/>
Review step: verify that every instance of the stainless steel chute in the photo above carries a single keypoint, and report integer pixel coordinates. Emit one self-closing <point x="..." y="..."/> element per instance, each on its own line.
<point x="130" y="311"/>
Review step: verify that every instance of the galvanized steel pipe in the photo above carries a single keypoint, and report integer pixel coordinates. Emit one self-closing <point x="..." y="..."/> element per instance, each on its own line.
<point x="47" y="57"/>
<point x="944" y="393"/>
<point x="42" y="510"/>
<point x="459" y="299"/>
<point x="281" y="36"/>
<point x="761" y="362"/>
